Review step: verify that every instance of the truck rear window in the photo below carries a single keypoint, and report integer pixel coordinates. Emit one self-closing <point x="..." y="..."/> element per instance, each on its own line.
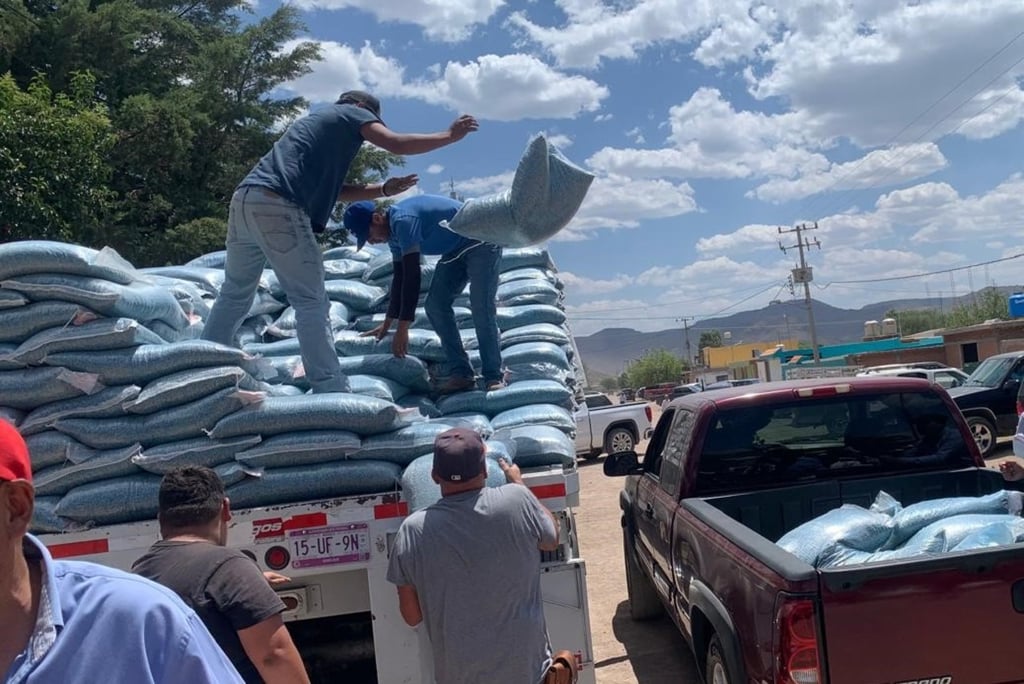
<point x="847" y="435"/>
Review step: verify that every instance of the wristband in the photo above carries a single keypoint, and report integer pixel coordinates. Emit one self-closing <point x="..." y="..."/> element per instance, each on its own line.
<point x="384" y="189"/>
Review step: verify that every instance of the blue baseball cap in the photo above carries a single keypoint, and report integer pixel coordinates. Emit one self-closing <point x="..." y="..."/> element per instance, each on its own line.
<point x="357" y="219"/>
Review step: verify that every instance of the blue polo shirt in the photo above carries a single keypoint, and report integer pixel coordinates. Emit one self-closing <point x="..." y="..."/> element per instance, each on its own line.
<point x="97" y="625"/>
<point x="415" y="226"/>
<point x="308" y="164"/>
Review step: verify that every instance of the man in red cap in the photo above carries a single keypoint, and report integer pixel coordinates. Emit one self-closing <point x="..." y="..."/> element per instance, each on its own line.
<point x="70" y="621"/>
<point x="468" y="567"/>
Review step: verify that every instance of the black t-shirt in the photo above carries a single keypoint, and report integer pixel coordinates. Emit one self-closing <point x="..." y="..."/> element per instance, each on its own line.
<point x="224" y="586"/>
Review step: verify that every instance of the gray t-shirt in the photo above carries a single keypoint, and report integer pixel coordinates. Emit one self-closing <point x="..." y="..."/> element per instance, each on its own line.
<point x="474" y="562"/>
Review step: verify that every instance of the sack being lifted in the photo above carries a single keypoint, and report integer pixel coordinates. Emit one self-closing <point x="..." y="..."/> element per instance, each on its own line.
<point x="547" y="191"/>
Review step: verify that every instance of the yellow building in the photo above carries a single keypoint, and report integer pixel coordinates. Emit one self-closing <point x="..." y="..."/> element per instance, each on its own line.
<point x="729" y="354"/>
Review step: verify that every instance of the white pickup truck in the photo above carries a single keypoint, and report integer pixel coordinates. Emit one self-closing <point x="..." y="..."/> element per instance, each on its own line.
<point x="605" y="427"/>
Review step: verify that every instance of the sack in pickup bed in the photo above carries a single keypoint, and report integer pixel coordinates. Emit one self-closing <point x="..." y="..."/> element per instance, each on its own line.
<point x="110" y="502"/>
<point x="19" y="324"/>
<point x="915" y="517"/>
<point x="320" y="481"/>
<point x="957" y="528"/>
<point x="185" y="386"/>
<point x="841" y="554"/>
<point x="402" y="446"/>
<point x="993" y="535"/>
<point x="852" y="526"/>
<point x="100" y="465"/>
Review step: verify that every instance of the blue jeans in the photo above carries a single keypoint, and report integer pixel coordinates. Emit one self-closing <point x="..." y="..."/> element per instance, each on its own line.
<point x="477" y="265"/>
<point x="263" y="227"/>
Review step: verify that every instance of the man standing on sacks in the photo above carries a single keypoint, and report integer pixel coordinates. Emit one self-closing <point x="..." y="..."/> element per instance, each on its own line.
<point x="287" y="199"/>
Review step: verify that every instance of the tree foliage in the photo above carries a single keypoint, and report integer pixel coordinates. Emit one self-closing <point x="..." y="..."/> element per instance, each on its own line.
<point x="710" y="338"/>
<point x="655" y="367"/>
<point x="988" y="304"/>
<point x="130" y="122"/>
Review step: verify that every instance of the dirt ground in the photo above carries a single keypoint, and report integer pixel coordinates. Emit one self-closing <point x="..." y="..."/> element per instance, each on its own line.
<point x="628" y="652"/>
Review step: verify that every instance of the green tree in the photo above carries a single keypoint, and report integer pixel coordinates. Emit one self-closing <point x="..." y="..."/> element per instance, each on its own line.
<point x="624" y="379"/>
<point x="988" y="304"/>
<point x="914" y="321"/>
<point x="710" y="338"/>
<point x="53" y="176"/>
<point x="655" y="367"/>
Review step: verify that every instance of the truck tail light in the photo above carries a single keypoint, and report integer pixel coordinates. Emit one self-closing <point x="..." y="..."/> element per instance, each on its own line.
<point x="1020" y="407"/>
<point x="649" y="413"/>
<point x="822" y="391"/>
<point x="796" y="643"/>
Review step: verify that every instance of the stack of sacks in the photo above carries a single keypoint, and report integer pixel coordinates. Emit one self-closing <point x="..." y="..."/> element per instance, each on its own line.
<point x="887" y="531"/>
<point x="100" y="369"/>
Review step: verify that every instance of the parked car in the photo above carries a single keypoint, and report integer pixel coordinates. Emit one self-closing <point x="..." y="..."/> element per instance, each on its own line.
<point x="989" y="398"/>
<point x="627" y="394"/>
<point x="602" y="426"/>
<point x="947" y="378"/>
<point x="700" y="520"/>
<point x="658" y="393"/>
<point x="681" y="390"/>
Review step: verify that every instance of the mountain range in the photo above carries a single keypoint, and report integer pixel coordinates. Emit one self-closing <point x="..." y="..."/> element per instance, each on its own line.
<point x="606" y="352"/>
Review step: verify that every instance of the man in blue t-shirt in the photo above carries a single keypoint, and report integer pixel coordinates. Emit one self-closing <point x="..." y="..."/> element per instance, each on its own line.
<point x="287" y="198"/>
<point x="411" y="228"/>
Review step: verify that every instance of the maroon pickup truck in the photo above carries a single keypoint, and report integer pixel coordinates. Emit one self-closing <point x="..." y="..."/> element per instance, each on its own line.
<point x="728" y="472"/>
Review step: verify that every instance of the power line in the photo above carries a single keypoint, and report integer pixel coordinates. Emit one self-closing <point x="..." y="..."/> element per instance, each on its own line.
<point x="894" y="168"/>
<point x="922" y="275"/>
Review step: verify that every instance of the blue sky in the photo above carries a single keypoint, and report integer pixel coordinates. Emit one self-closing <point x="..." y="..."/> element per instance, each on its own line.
<point x="895" y="125"/>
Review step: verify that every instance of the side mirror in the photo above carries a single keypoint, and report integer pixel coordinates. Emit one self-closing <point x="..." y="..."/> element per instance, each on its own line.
<point x="621" y="463"/>
<point x="1011" y="384"/>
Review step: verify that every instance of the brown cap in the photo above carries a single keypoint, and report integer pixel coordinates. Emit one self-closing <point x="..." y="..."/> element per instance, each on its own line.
<point x="459" y="455"/>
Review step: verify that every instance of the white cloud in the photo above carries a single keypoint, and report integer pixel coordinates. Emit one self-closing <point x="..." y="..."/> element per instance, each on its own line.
<point x="710" y="139"/>
<point x="448" y="20"/>
<point x="871" y="70"/>
<point x="636" y="135"/>
<point x="559" y="140"/>
<point x="618" y="202"/>
<point x="435" y="169"/>
<point x="603" y="117"/>
<point x="589" y="286"/>
<point x="597" y="31"/>
<point x="875" y="169"/>
<point x="502" y="88"/>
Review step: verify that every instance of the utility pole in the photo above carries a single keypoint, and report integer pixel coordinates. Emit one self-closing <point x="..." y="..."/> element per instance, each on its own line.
<point x="805" y="274"/>
<point x="686" y="336"/>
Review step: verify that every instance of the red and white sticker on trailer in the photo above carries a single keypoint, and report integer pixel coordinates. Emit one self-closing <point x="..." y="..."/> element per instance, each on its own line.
<point x="99" y="546"/>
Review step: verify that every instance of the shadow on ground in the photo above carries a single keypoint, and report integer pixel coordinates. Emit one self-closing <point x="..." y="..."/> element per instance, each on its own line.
<point x="654" y="648"/>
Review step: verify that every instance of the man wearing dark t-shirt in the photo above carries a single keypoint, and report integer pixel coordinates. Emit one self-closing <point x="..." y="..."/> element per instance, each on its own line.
<point x="286" y="198"/>
<point x="224" y="586"/>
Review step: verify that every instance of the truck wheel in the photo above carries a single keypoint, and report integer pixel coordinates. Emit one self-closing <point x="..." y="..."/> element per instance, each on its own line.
<point x="619" y="439"/>
<point x="984" y="434"/>
<point x="644" y="603"/>
<point x="716" y="670"/>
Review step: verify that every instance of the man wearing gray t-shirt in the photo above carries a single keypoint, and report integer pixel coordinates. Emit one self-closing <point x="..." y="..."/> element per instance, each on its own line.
<point x="468" y="567"/>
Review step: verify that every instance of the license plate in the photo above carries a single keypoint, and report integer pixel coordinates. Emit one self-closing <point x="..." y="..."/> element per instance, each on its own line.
<point x="329" y="545"/>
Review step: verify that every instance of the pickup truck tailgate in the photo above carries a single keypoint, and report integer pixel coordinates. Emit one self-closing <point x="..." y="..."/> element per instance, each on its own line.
<point x="959" y="617"/>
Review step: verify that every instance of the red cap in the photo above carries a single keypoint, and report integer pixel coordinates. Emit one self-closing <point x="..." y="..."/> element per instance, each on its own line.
<point x="14" y="460"/>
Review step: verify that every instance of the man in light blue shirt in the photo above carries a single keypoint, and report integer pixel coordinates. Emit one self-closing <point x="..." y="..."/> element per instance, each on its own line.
<point x="71" y="621"/>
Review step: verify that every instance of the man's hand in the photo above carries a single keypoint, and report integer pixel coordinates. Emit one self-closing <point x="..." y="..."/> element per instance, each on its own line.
<point x="462" y="127"/>
<point x="1011" y="470"/>
<point x="399" y="184"/>
<point x="400" y="342"/>
<point x="380" y="331"/>
<point x="511" y="470"/>
<point x="274" y="579"/>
